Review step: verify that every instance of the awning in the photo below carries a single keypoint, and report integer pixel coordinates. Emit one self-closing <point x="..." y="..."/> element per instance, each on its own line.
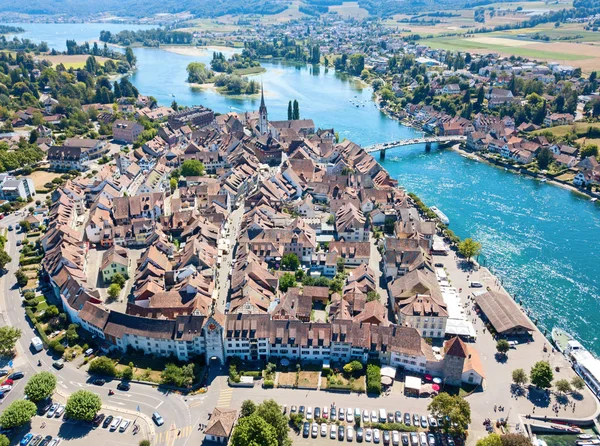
<point x="387" y="381"/>
<point x="412" y="383"/>
<point x="388" y="371"/>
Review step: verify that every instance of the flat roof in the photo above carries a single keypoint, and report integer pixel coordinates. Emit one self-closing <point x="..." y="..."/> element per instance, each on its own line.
<point x="412" y="382"/>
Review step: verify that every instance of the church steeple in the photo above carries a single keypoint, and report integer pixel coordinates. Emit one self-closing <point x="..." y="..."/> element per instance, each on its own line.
<point x="263" y="124"/>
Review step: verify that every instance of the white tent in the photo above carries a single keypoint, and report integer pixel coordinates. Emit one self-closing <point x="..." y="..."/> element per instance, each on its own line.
<point x="412" y="383"/>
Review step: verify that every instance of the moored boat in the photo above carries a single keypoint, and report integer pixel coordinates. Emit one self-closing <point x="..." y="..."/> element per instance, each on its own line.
<point x="443" y="218"/>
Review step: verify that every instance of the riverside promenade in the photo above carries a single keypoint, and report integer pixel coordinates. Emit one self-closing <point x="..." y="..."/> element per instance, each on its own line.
<point x="497" y="389"/>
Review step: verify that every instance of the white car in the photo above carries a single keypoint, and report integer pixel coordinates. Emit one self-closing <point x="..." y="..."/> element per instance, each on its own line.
<point x="357" y="412"/>
<point x="349" y="433"/>
<point x="395" y="438"/>
<point x="124" y="425"/>
<point x="55" y="441"/>
<point x="333" y="432"/>
<point x="374" y="417"/>
<point x="323" y="429"/>
<point x="115" y="423"/>
<point x="366" y="416"/>
<point x="6" y="388"/>
<point x="52" y="410"/>
<point x="369" y="435"/>
<point x="349" y="414"/>
<point x="309" y="413"/>
<point x="423" y="438"/>
<point x="376" y="436"/>
<point x="314" y="430"/>
<point x="59" y="411"/>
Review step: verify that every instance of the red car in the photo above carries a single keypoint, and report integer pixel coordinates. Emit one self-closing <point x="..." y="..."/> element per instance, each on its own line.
<point x="8" y="382"/>
<point x="1" y="216"/>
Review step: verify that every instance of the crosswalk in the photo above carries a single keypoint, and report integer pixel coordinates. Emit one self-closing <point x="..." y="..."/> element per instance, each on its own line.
<point x="168" y="437"/>
<point x="225" y="398"/>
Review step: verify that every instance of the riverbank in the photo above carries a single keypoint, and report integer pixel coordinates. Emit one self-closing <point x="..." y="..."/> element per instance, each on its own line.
<point x="199" y="51"/>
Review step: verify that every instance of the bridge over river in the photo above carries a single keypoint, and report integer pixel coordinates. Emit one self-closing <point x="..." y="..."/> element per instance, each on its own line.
<point x="427" y="140"/>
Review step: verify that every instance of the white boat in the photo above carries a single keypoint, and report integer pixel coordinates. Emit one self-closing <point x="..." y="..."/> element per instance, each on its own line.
<point x="585" y="436"/>
<point x="443" y="218"/>
<point x="593" y="200"/>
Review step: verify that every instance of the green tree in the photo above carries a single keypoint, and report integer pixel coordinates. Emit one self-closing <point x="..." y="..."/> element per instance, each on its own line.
<point x="469" y="248"/>
<point x="253" y="431"/>
<point x="22" y="278"/>
<point x="271" y="412"/>
<point x="4" y="441"/>
<point x="353" y="367"/>
<point x="502" y="346"/>
<point x="18" y="413"/>
<point x="372" y="295"/>
<point x="248" y="408"/>
<point x="83" y="405"/>
<point x="192" y="168"/>
<point x="519" y="377"/>
<point x="8" y="339"/>
<point x="178" y="376"/>
<point x="287" y="280"/>
<point x="174" y="105"/>
<point x="40" y="386"/>
<point x="515" y="440"/>
<point x="541" y="374"/>
<point x="198" y="73"/>
<point x="544" y="158"/>
<point x="145" y="443"/>
<point x="296" y="111"/>
<point x="130" y="56"/>
<point x="127" y="373"/>
<point x="589" y="150"/>
<point x="119" y="279"/>
<point x="563" y="386"/>
<point x="102" y="366"/>
<point x="173" y="184"/>
<point x="341" y="265"/>
<point x="578" y="383"/>
<point x="454" y="410"/>
<point x="490" y="440"/>
<point x="290" y="112"/>
<point x="114" y="290"/>
<point x="290" y="262"/>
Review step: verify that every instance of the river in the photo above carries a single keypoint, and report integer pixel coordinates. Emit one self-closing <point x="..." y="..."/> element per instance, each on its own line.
<point x="541" y="240"/>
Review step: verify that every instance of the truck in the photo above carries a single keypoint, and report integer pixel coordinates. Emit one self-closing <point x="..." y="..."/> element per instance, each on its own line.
<point x="37" y="344"/>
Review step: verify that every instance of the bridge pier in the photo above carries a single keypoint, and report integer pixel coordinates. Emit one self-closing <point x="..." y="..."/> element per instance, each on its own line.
<point x="428" y="146"/>
<point x="382" y="154"/>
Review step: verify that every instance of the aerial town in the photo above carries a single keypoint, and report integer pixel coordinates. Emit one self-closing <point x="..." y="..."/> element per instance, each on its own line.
<point x="185" y="275"/>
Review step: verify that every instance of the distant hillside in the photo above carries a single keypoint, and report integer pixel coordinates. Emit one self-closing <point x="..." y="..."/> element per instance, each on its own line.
<point x="144" y="8"/>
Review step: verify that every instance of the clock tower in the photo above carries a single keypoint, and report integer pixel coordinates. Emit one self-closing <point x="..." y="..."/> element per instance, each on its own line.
<point x="263" y="123"/>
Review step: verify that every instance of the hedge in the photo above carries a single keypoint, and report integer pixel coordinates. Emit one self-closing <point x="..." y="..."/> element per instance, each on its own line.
<point x="30" y="260"/>
<point x="392" y="427"/>
<point x="373" y="379"/>
<point x="255" y="375"/>
<point x="339" y="386"/>
<point x="268" y="384"/>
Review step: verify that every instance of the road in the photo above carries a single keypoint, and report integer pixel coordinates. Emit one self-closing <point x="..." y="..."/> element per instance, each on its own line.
<point x="223" y="279"/>
<point x="147" y="399"/>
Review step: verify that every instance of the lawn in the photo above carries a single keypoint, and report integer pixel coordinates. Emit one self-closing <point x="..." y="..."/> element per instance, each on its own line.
<point x="357" y="385"/>
<point x="72" y="61"/>
<point x="247" y="71"/>
<point x="561" y="130"/>
<point x="286" y="379"/>
<point x="308" y="379"/>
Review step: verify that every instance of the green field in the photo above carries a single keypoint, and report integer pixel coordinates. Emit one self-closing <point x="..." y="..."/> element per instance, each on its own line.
<point x="564" y="32"/>
<point x="248" y="71"/>
<point x="561" y="130"/>
<point x="463" y="44"/>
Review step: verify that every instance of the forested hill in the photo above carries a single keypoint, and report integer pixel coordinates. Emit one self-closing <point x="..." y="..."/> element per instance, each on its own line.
<point x="144" y="8"/>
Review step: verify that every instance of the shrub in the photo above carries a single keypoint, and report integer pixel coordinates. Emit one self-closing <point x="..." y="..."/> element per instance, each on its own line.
<point x="268" y="384"/>
<point x="102" y="366"/>
<point x="326" y="372"/>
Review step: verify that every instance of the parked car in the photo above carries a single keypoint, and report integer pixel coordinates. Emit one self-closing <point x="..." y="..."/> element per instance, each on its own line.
<point x="386" y="437"/>
<point x="360" y="435"/>
<point x="350" y="433"/>
<point x="98" y="419"/>
<point x="423" y="438"/>
<point x="349" y="414"/>
<point x="431" y="439"/>
<point x="323" y="429"/>
<point x="16" y="375"/>
<point x="424" y="422"/>
<point x="432" y="422"/>
<point x="369" y="435"/>
<point x="107" y="421"/>
<point x="416" y="419"/>
<point x="374" y="417"/>
<point x="46" y="441"/>
<point x="58" y="365"/>
<point x="333" y="413"/>
<point x="405" y="441"/>
<point x="414" y="439"/>
<point x="309" y="413"/>
<point x="124" y="425"/>
<point x="376" y="436"/>
<point x="99" y="381"/>
<point x="439" y="265"/>
<point x="115" y="423"/>
<point x="333" y="432"/>
<point x="314" y="430"/>
<point x="317" y="412"/>
<point x="357" y="412"/>
<point x="44" y="406"/>
<point x="10" y="227"/>
<point x="5" y="388"/>
<point x="26" y="439"/>
<point x="390" y="417"/>
<point x="341" y="432"/>
<point x="123" y="386"/>
<point x="325" y="413"/>
<point x="55" y="442"/>
<point x="366" y="416"/>
<point x="293" y="409"/>
<point x="475" y="284"/>
<point x="341" y="414"/>
<point x="398" y="416"/>
<point x="407" y="418"/>
<point x="306" y="429"/>
<point x="395" y="438"/>
<point x="301" y="410"/>
<point x="3" y="372"/>
<point x="36" y="440"/>
<point x="158" y="419"/>
<point x="59" y="411"/>
<point x="383" y="416"/>
<point x="52" y="410"/>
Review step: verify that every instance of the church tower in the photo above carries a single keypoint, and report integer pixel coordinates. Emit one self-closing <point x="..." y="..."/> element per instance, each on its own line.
<point x="263" y="123"/>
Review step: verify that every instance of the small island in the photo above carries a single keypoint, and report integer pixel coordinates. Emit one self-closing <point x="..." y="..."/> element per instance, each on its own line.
<point x="8" y="29"/>
<point x="227" y="74"/>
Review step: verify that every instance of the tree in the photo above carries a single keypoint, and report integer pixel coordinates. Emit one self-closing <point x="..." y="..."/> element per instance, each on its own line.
<point x="290" y="262"/>
<point x="296" y="112"/>
<point x="4" y="441"/>
<point x="519" y="377"/>
<point x="174" y="105"/>
<point x="271" y="412"/>
<point x="127" y="373"/>
<point x="563" y="386"/>
<point x="22" y="278"/>
<point x="254" y="431"/>
<point x="372" y="295"/>
<point x="114" y="290"/>
<point x="40" y="386"/>
<point x="119" y="279"/>
<point x="173" y="184"/>
<point x="515" y="440"/>
<point x="353" y="367"/>
<point x="469" y="248"/>
<point x="83" y="405"/>
<point x="290" y="113"/>
<point x="5" y="259"/>
<point x="577" y="382"/>
<point x="8" y="339"/>
<point x="502" y="346"/>
<point x="17" y="414"/>
<point x="544" y="157"/>
<point x="144" y="443"/>
<point x="589" y="150"/>
<point x="490" y="440"/>
<point x="341" y="265"/>
<point x="248" y="408"/>
<point x="102" y="366"/>
<point x="25" y="225"/>
<point x="192" y="168"/>
<point x="287" y="280"/>
<point x="130" y="56"/>
<point x="454" y="411"/>
<point x="541" y="374"/>
<point x="198" y="73"/>
<point x="178" y="376"/>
